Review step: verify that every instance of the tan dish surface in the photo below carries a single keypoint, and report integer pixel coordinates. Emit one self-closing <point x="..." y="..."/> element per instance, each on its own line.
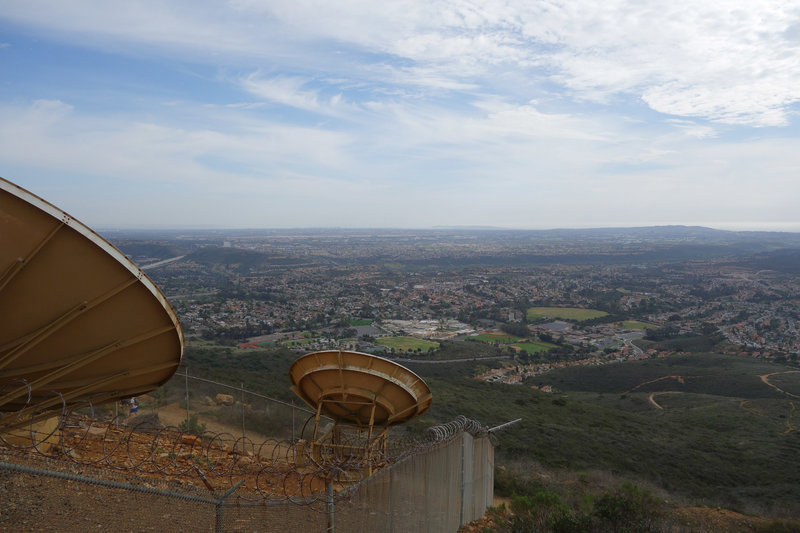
<point x="358" y="388"/>
<point x="80" y="322"/>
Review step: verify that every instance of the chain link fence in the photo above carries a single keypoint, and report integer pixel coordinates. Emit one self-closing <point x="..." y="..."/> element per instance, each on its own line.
<point x="196" y="404"/>
<point x="438" y="490"/>
<point x="181" y="466"/>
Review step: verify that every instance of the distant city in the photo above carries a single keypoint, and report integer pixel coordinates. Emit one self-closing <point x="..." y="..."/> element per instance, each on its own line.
<point x="540" y="299"/>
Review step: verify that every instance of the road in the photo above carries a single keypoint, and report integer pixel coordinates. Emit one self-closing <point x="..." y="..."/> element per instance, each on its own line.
<point x="431" y="362"/>
<point x="162" y="263"/>
<point x="627" y="340"/>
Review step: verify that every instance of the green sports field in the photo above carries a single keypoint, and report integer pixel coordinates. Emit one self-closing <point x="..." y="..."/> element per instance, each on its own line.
<point x="568" y="313"/>
<point x="499" y="338"/>
<point x="534" y="347"/>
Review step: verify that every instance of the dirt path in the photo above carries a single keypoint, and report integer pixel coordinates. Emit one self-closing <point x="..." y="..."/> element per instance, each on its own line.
<point x="792" y="408"/>
<point x="743" y="405"/>
<point x="765" y="379"/>
<point x="789" y="426"/>
<point x="679" y="379"/>
<point x="652" y="400"/>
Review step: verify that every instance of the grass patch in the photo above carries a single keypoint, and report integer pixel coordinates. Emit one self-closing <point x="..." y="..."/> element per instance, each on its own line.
<point x="634" y="324"/>
<point x="534" y="347"/>
<point x="567" y="313"/>
<point x="407" y="344"/>
<point x="360" y="322"/>
<point x="497" y="338"/>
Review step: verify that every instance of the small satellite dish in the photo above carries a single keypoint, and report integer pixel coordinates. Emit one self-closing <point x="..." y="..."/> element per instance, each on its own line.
<point x="364" y="395"/>
<point x="81" y="323"/>
<point x="358" y="388"/>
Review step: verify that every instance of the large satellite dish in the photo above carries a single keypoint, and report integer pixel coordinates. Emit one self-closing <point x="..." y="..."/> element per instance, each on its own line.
<point x="358" y="388"/>
<point x="79" y="321"/>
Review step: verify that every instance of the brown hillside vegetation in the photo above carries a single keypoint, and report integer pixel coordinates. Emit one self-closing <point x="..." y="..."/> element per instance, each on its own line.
<point x="543" y="500"/>
<point x="687" y="519"/>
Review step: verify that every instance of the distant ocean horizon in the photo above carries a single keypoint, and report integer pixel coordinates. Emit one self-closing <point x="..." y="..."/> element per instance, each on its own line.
<point x="789" y="227"/>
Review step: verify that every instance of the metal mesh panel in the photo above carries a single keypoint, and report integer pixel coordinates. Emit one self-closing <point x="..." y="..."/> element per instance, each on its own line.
<point x="429" y="492"/>
<point x="35" y="499"/>
<point x="482" y="492"/>
<point x="275" y="518"/>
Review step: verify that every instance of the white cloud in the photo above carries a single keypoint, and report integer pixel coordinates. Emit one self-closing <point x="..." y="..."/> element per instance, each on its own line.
<point x="758" y="103"/>
<point x="510" y="166"/>
<point x="527" y="121"/>
<point x="177" y="24"/>
<point x="405" y="80"/>
<point x="694" y="130"/>
<point x="50" y="135"/>
<point x="727" y="61"/>
<point x="283" y="90"/>
<point x="296" y="92"/>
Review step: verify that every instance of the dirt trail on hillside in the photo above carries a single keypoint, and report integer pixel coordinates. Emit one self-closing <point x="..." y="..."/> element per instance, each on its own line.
<point x="765" y="379"/>
<point x="743" y="405"/>
<point x="652" y="400"/>
<point x="789" y="426"/>
<point x="679" y="379"/>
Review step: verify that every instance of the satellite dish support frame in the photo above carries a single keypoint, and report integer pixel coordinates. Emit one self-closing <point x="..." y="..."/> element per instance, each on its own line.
<point x="333" y="443"/>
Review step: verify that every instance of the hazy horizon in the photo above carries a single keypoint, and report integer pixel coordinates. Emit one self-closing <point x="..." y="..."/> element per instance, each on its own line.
<point x="734" y="228"/>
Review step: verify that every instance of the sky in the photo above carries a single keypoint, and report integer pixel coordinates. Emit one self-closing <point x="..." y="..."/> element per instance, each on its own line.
<point x="407" y="114"/>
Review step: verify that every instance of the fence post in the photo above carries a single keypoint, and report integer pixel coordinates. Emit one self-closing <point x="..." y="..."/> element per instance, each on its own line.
<point x="186" y="380"/>
<point x="391" y="498"/>
<point x="330" y="506"/>
<point x="463" y="477"/>
<point x="243" y="432"/>
<point x="218" y="522"/>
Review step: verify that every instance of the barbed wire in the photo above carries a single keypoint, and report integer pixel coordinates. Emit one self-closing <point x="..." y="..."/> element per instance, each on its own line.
<point x="273" y="470"/>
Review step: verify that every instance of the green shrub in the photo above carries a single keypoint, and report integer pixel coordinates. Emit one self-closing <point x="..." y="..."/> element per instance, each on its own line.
<point x="537" y="512"/>
<point x="507" y="482"/>
<point x="628" y="509"/>
<point x="193" y="427"/>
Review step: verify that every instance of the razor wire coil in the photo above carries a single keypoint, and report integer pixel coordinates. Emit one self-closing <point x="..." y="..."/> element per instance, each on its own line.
<point x="273" y="470"/>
